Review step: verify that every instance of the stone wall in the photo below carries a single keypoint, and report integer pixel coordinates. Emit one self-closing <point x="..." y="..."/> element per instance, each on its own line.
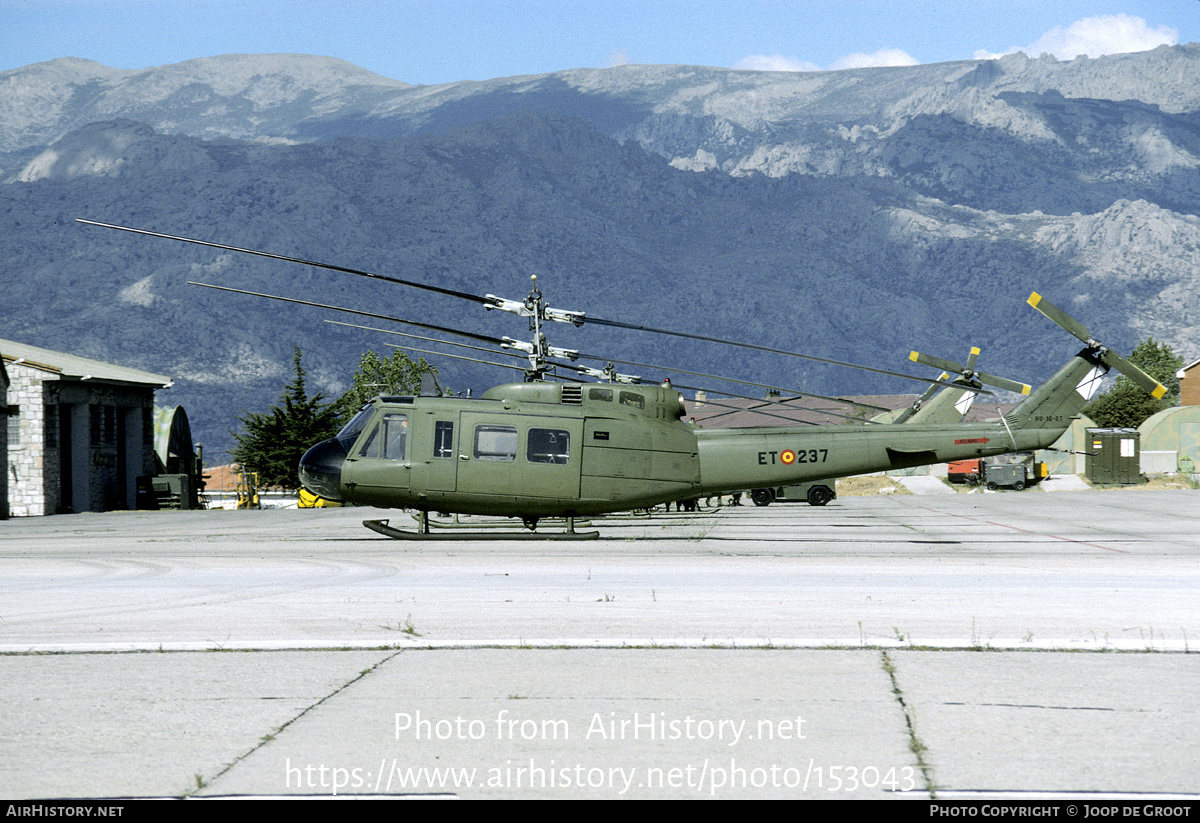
<point x="95" y="437"/>
<point x="28" y="467"/>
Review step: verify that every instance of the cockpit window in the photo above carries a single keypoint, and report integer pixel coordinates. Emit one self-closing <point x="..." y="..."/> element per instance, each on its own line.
<point x="395" y="436"/>
<point x="388" y="440"/>
<point x="351" y="430"/>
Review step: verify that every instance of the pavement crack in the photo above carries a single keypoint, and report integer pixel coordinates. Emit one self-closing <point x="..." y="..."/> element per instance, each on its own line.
<point x="915" y="745"/>
<point x="272" y="735"/>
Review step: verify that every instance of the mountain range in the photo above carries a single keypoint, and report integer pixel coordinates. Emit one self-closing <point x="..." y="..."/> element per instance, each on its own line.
<point x="851" y="215"/>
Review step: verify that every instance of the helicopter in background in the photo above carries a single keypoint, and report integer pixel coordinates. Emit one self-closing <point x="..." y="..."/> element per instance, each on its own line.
<point x="538" y="449"/>
<point x="949" y="405"/>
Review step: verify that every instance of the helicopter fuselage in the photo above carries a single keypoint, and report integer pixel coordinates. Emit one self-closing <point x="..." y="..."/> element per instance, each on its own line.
<point x="553" y="449"/>
<point x="522" y="449"/>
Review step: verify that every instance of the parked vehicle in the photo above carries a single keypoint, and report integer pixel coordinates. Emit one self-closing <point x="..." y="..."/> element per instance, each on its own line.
<point x="817" y="493"/>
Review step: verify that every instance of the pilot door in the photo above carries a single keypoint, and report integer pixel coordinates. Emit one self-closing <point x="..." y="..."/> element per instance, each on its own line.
<point x="518" y="455"/>
<point x="380" y="464"/>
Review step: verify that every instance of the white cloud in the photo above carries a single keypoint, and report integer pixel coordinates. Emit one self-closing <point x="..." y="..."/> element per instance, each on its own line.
<point x="1095" y="36"/>
<point x="774" y="62"/>
<point x="620" y="57"/>
<point x="777" y="62"/>
<point x="883" y="57"/>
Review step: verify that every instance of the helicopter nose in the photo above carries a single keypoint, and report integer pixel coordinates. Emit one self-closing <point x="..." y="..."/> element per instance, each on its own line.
<point x="321" y="469"/>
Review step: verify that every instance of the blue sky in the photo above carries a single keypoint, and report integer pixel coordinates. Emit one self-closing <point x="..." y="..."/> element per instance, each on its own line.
<point x="438" y="41"/>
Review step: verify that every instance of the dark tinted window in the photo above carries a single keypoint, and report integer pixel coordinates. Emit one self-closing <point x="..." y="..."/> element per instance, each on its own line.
<point x="548" y="446"/>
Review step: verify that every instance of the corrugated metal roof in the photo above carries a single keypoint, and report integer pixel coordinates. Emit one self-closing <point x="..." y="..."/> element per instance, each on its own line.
<point x="77" y="368"/>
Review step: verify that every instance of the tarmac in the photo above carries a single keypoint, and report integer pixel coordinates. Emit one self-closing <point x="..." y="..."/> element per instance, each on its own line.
<point x="981" y="646"/>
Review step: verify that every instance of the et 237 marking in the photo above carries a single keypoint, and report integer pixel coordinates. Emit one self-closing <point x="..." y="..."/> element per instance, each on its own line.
<point x="790" y="456"/>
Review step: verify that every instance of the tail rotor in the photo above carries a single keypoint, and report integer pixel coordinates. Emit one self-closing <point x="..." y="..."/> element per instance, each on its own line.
<point x="967" y="373"/>
<point x="1103" y="353"/>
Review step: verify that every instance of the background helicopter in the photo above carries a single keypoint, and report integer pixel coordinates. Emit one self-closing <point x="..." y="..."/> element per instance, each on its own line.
<point x="537" y="449"/>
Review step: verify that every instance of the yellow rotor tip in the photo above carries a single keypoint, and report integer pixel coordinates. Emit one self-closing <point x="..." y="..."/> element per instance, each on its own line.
<point x="1158" y="392"/>
<point x="1034" y="299"/>
<point x="974" y="350"/>
<point x="913" y="356"/>
<point x="1026" y="388"/>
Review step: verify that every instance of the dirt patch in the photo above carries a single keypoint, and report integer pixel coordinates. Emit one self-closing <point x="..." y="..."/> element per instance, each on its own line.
<point x="865" y="485"/>
<point x="1176" y="482"/>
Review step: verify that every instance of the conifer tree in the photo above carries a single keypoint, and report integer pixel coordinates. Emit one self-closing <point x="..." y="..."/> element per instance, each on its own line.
<point x="1126" y="405"/>
<point x="273" y="442"/>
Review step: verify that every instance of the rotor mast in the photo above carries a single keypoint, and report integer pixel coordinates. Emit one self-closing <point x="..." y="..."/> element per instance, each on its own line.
<point x="538" y="350"/>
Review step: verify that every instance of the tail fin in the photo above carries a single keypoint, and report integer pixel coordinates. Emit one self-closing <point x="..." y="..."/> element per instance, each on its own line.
<point x="1053" y="404"/>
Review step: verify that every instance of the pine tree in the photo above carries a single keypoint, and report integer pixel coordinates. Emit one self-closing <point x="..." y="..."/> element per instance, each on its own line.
<point x="273" y="442"/>
<point x="1126" y="405"/>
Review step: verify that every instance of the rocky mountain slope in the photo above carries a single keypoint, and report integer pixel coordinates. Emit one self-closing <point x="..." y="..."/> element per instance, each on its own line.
<point x="853" y="215"/>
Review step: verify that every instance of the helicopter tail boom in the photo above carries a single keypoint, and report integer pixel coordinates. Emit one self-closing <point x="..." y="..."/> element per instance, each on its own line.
<point x="733" y="459"/>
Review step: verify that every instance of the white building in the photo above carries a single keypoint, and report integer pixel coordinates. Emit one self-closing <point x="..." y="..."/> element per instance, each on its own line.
<point x="80" y="432"/>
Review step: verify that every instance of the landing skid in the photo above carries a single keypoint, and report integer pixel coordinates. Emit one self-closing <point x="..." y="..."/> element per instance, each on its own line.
<point x="484" y="522"/>
<point x="383" y="528"/>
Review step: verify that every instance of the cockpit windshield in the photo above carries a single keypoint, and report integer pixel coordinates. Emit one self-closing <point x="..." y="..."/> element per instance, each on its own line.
<point x="351" y="430"/>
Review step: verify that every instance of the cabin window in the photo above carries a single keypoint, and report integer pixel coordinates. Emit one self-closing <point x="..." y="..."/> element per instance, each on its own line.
<point x="632" y="398"/>
<point x="600" y="394"/>
<point x="443" y="439"/>
<point x="495" y="442"/>
<point x="548" y="446"/>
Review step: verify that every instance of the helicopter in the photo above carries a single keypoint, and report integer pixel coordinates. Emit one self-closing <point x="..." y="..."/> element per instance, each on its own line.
<point x="538" y="449"/>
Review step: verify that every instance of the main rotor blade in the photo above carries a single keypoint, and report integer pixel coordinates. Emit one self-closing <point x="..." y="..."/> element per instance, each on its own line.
<point x="475" y="298"/>
<point x="427" y="339"/>
<point x="483" y="338"/>
<point x="752" y="410"/>
<point x="643" y="366"/>
<point x="752" y="346"/>
<point x="653" y="367"/>
<point x="468" y="359"/>
<point x="491" y="302"/>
